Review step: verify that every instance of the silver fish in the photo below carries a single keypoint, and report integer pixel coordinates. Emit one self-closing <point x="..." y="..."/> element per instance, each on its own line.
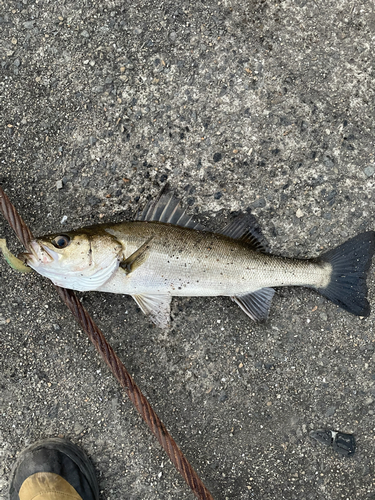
<point x="165" y="253"/>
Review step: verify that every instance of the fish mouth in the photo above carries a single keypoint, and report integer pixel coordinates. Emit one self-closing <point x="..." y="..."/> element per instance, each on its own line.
<point x="39" y="254"/>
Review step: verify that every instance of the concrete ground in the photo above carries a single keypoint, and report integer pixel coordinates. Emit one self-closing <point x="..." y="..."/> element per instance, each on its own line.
<point x="260" y="104"/>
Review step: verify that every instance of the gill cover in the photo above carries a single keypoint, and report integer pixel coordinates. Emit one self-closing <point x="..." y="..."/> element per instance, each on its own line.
<point x="81" y="260"/>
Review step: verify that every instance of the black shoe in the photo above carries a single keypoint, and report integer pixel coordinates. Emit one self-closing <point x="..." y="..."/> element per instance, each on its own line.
<point x="55" y="464"/>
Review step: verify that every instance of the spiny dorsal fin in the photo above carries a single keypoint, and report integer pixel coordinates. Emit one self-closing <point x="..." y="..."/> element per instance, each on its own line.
<point x="166" y="208"/>
<point x="256" y="304"/>
<point x="245" y="228"/>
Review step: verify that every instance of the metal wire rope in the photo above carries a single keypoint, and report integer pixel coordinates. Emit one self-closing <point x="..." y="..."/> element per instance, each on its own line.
<point x="96" y="336"/>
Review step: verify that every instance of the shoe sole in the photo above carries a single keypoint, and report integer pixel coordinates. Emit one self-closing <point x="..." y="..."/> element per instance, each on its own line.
<point x="68" y="448"/>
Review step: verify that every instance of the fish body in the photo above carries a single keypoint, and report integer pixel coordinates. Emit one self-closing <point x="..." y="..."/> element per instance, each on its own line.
<point x="166" y="254"/>
<point x="187" y="262"/>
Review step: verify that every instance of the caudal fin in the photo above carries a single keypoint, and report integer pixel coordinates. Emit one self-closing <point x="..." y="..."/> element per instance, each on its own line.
<point x="350" y="263"/>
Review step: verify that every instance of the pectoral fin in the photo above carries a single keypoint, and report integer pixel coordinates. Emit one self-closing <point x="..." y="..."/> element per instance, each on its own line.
<point x="137" y="258"/>
<point x="157" y="307"/>
<point x="256" y="304"/>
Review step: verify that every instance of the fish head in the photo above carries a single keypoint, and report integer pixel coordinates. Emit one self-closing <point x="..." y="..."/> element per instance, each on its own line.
<point x="81" y="260"/>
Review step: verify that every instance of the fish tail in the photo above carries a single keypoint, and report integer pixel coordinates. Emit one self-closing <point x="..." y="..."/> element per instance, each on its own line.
<point x="350" y="263"/>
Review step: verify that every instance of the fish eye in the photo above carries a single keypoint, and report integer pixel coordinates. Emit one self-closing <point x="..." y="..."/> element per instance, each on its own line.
<point x="61" y="241"/>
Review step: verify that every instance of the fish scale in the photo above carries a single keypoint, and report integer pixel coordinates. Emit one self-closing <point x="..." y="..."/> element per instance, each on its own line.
<point x="185" y="262"/>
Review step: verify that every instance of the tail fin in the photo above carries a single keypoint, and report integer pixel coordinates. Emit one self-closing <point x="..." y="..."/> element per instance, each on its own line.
<point x="350" y="263"/>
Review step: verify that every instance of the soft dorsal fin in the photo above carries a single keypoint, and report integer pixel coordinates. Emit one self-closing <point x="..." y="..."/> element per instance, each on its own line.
<point x="166" y="208"/>
<point x="256" y="304"/>
<point x="245" y="228"/>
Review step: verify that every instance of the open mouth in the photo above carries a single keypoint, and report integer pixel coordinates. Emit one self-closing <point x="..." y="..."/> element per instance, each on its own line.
<point x="30" y="257"/>
<point x="39" y="254"/>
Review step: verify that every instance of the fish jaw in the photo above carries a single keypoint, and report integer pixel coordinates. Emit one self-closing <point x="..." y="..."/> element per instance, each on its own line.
<point x="39" y="255"/>
<point x="76" y="280"/>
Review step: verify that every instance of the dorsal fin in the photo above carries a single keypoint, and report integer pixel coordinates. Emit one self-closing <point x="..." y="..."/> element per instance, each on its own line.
<point x="166" y="208"/>
<point x="245" y="228"/>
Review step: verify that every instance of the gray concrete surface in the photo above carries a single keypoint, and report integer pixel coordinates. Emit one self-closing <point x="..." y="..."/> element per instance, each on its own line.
<point x="260" y="104"/>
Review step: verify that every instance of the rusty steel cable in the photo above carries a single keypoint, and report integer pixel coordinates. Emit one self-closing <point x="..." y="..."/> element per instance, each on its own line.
<point x="114" y="363"/>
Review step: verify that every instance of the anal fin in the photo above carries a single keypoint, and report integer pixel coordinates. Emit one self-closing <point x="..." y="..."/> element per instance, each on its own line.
<point x="256" y="304"/>
<point x="157" y="307"/>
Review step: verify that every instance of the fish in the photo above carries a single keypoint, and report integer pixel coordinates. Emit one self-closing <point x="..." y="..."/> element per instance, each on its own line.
<point x="163" y="253"/>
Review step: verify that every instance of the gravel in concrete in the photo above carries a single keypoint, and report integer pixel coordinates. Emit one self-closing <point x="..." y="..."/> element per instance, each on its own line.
<point x="260" y="104"/>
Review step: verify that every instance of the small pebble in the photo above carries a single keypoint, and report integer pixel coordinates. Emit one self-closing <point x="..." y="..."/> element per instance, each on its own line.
<point x="299" y="213"/>
<point x="59" y="184"/>
<point x="259" y="203"/>
<point x="29" y="25"/>
<point x="369" y="171"/>
<point x="217" y="157"/>
<point x="330" y="411"/>
<point x="223" y="397"/>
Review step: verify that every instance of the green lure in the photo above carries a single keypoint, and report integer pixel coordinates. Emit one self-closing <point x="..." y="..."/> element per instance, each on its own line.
<point x="15" y="263"/>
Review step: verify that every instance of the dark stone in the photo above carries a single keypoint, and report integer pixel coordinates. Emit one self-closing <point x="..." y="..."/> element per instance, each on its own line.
<point x="93" y="200"/>
<point x="223" y="397"/>
<point x="260" y="203"/>
<point x="217" y="157"/>
<point x="328" y="161"/>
